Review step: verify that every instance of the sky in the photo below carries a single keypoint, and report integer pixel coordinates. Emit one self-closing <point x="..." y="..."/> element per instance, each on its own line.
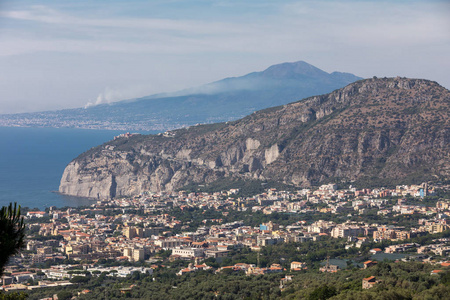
<point x="67" y="54"/>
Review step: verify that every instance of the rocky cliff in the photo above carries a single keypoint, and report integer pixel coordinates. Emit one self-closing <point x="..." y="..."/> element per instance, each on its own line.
<point x="393" y="128"/>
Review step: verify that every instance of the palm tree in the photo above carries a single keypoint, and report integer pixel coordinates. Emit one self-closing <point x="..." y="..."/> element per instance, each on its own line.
<point x="12" y="233"/>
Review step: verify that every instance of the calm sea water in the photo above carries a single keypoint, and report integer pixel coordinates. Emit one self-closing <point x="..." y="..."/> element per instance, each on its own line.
<point x="32" y="161"/>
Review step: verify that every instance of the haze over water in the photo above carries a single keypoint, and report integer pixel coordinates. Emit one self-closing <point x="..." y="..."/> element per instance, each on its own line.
<point x="32" y="161"/>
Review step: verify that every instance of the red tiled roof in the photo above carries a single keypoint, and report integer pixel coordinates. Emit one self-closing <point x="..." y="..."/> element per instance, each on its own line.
<point x="369" y="278"/>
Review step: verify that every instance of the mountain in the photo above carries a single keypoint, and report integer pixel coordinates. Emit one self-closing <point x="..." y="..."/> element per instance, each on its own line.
<point x="224" y="100"/>
<point x="391" y="130"/>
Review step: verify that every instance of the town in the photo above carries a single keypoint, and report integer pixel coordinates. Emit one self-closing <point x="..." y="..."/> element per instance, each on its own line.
<point x="197" y="231"/>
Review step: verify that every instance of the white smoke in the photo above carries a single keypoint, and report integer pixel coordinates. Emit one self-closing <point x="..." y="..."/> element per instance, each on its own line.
<point x="107" y="96"/>
<point x="110" y="95"/>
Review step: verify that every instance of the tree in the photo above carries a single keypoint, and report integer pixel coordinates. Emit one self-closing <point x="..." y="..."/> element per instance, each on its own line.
<point x="12" y="233"/>
<point x="323" y="292"/>
<point x="13" y="296"/>
<point x="80" y="279"/>
<point x="64" y="295"/>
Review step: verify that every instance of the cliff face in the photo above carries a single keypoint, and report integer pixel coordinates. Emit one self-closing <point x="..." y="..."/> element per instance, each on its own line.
<point x="392" y="128"/>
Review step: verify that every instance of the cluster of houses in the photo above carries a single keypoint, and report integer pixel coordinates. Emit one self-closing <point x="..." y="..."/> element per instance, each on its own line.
<point x="113" y="230"/>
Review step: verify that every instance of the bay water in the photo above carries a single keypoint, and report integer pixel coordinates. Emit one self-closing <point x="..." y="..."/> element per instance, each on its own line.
<point x="32" y="161"/>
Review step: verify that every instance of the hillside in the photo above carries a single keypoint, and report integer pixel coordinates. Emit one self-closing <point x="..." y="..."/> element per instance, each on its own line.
<point x="224" y="100"/>
<point x="389" y="130"/>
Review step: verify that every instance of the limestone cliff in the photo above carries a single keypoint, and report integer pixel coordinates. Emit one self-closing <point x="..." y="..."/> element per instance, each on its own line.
<point x="391" y="128"/>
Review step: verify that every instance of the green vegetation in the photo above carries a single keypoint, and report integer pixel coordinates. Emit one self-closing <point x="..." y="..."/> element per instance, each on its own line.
<point x="395" y="281"/>
<point x="12" y="233"/>
<point x="400" y="280"/>
<point x="64" y="295"/>
<point x="13" y="296"/>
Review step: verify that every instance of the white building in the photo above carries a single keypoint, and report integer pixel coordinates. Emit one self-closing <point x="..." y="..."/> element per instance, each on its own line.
<point x="188" y="252"/>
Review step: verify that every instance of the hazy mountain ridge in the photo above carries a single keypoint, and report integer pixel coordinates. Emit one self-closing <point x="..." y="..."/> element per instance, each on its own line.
<point x="224" y="100"/>
<point x="395" y="129"/>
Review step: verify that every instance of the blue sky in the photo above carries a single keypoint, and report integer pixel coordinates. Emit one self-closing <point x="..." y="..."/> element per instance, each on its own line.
<point x="61" y="54"/>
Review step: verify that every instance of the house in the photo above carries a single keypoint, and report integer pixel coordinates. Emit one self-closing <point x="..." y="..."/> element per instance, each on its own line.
<point x="185" y="271"/>
<point x="297" y="266"/>
<point x="368" y="282"/>
<point x="329" y="269"/>
<point x="435" y="272"/>
<point x="202" y="267"/>
<point x="83" y="292"/>
<point x="244" y="266"/>
<point x="215" y="253"/>
<point x="36" y="214"/>
<point x="369" y="263"/>
<point x="285" y="280"/>
<point x="275" y="268"/>
<point x="188" y="252"/>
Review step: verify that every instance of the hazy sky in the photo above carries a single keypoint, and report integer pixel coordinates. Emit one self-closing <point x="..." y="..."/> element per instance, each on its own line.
<point x="61" y="54"/>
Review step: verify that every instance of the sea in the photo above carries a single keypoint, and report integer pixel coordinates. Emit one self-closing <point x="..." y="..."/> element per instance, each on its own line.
<point x="32" y="161"/>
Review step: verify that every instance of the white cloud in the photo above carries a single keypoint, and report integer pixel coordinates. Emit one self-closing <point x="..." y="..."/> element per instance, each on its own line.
<point x="407" y="38"/>
<point x="42" y="14"/>
<point x="305" y="26"/>
<point x="75" y="34"/>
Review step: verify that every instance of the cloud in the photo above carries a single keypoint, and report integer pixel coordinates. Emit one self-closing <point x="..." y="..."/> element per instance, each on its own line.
<point x="38" y="13"/>
<point x="91" y="45"/>
<point x="61" y="32"/>
<point x="305" y="26"/>
<point x="375" y="22"/>
<point x="43" y="14"/>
